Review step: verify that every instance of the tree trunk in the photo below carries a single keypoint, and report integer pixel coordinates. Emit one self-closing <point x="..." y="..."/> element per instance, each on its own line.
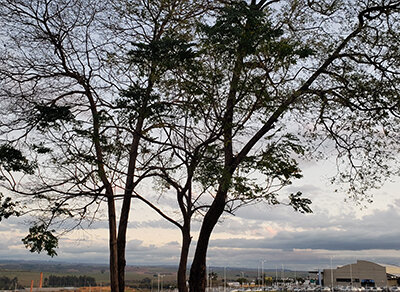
<point x="124" y="218"/>
<point x="129" y="185"/>
<point x="198" y="277"/>
<point x="186" y="239"/>
<point x="112" y="218"/>
<point x="121" y="247"/>
<point x="112" y="224"/>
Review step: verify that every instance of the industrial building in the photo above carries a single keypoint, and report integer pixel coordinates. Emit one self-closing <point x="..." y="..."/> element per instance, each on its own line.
<point x="362" y="274"/>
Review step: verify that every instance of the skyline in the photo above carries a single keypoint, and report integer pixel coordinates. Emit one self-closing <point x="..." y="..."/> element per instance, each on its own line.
<point x="275" y="234"/>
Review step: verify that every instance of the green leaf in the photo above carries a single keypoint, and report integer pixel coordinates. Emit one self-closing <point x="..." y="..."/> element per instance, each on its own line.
<point x="40" y="239"/>
<point x="12" y="159"/>
<point x="7" y="207"/>
<point x="300" y="204"/>
<point x="50" y="116"/>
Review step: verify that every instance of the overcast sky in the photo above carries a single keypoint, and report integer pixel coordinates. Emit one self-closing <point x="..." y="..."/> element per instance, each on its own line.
<point x="278" y="235"/>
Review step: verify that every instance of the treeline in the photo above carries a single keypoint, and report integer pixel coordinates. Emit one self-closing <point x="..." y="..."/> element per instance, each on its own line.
<point x="69" y="281"/>
<point x="9" y="284"/>
<point x="147" y="283"/>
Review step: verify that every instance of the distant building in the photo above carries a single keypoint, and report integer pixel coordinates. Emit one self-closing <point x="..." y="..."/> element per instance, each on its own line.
<point x="362" y="274"/>
<point x="393" y="275"/>
<point x="233" y="284"/>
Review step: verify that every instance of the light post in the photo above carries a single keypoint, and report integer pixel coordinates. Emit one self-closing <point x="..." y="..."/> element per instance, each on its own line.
<point x="158" y="282"/>
<point x="331" y="275"/>
<point x="224" y="279"/>
<point x="351" y="276"/>
<point x="211" y="275"/>
<point x="262" y="274"/>
<point x="162" y="282"/>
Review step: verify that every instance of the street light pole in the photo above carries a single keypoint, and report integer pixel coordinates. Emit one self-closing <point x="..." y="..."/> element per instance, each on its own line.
<point x="351" y="276"/>
<point x="158" y="282"/>
<point x="331" y="275"/>
<point x="211" y="275"/>
<point x="224" y="279"/>
<point x="262" y="274"/>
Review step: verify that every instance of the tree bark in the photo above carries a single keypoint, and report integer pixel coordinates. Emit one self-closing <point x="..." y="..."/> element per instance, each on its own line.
<point x="121" y="246"/>
<point x="186" y="239"/>
<point x="126" y="205"/>
<point x="129" y="186"/>
<point x="112" y="218"/>
<point x="113" y="242"/>
<point x="198" y="277"/>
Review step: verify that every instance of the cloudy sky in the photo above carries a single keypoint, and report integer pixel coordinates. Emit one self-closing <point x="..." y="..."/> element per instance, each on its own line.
<point x="337" y="229"/>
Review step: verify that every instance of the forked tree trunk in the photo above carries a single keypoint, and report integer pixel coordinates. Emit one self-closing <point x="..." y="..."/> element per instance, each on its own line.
<point x="198" y="277"/>
<point x="129" y="185"/>
<point x="112" y="218"/>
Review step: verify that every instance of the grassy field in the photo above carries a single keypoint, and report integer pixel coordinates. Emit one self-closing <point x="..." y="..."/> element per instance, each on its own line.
<point x="27" y="271"/>
<point x="31" y="271"/>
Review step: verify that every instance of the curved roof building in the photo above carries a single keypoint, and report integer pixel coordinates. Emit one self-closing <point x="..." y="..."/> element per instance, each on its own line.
<point x="361" y="274"/>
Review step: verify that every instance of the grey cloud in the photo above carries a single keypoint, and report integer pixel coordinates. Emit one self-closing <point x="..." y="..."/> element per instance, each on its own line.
<point x="376" y="222"/>
<point x="293" y="259"/>
<point x="306" y="189"/>
<point x="82" y="249"/>
<point x="153" y="255"/>
<point x="173" y="244"/>
<point x="134" y="245"/>
<point x="350" y="239"/>
<point x="302" y="241"/>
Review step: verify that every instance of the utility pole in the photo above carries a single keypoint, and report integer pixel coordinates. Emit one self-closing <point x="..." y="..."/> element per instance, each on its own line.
<point x="351" y="275"/>
<point x="224" y="279"/>
<point x="211" y="275"/>
<point x="158" y="282"/>
<point x="262" y="273"/>
<point x="331" y="275"/>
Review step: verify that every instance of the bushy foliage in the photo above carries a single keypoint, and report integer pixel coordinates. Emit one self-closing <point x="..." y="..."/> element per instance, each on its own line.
<point x="69" y="281"/>
<point x="9" y="284"/>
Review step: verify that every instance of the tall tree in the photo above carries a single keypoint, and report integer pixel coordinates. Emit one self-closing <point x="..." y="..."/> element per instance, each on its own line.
<point x="281" y="60"/>
<point x="53" y="96"/>
<point x="79" y="89"/>
<point x="160" y="46"/>
<point x="94" y="95"/>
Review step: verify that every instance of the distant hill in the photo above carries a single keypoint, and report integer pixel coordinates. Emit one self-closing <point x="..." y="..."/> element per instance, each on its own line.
<point x="26" y="271"/>
<point x="47" y="266"/>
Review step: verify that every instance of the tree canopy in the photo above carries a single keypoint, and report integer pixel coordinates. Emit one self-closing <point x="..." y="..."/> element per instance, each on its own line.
<point x="215" y="100"/>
